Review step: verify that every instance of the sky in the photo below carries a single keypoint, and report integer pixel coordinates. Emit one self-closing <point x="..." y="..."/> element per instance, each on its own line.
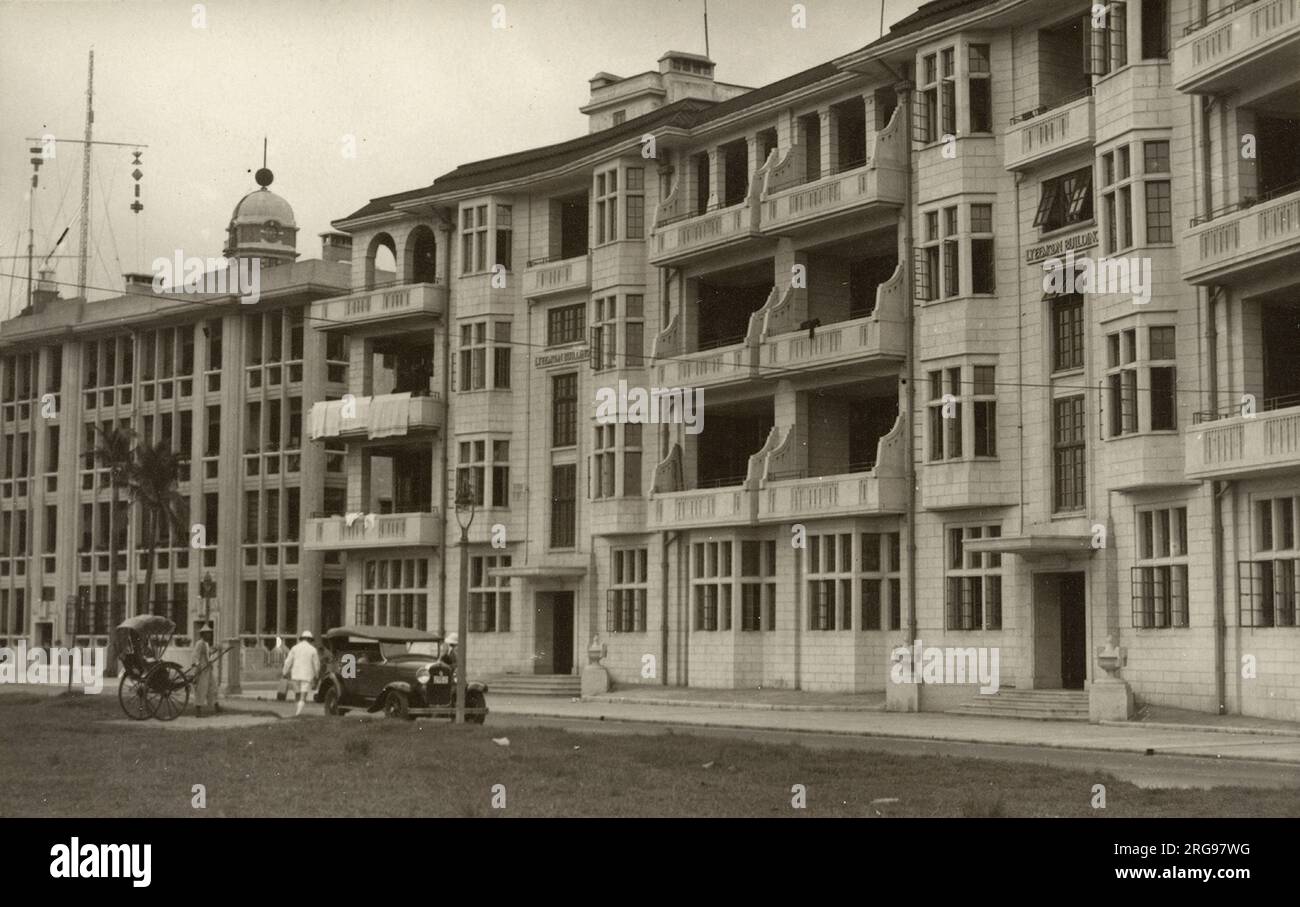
<point x="417" y="87"/>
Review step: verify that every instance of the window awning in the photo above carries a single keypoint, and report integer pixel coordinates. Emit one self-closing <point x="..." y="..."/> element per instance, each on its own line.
<point x="1031" y="545"/>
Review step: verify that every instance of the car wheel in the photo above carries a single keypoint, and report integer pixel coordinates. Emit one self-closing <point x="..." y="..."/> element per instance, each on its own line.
<point x="395" y="705"/>
<point x="331" y="700"/>
<point x="474" y="700"/>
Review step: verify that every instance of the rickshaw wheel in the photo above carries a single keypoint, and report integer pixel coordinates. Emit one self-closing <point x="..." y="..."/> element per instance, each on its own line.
<point x="133" y="695"/>
<point x="172" y="688"/>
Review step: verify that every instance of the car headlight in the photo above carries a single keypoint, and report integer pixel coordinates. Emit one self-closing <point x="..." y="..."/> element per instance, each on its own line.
<point x="422" y="676"/>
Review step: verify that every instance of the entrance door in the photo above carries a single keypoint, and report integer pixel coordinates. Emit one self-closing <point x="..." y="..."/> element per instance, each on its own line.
<point x="562" y="633"/>
<point x="44" y="635"/>
<point x="1074" y="642"/>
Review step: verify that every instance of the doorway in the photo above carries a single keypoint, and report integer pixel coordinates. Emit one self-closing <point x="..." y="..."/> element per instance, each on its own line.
<point x="1060" y="631"/>
<point x="554" y="633"/>
<point x="44" y="634"/>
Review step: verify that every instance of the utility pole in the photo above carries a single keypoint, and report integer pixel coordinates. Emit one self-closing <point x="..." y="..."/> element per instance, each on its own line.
<point x="82" y="250"/>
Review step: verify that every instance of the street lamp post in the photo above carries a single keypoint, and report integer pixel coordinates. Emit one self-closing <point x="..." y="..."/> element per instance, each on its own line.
<point x="465" y="504"/>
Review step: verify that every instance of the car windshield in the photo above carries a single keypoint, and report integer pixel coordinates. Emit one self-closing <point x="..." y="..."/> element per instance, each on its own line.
<point x="394" y="649"/>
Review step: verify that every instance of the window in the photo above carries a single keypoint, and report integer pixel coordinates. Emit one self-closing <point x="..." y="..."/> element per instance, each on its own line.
<point x="945" y="412"/>
<point x="926" y="114"/>
<point x="1065" y="200"/>
<point x="1155" y="375"/>
<point x="1107" y="39"/>
<point x="564" y="410"/>
<point x="880" y="580"/>
<point x="565" y="324"/>
<point x="625" y="601"/>
<point x="981" y="249"/>
<point x="985" y="411"/>
<point x="564" y="482"/>
<point x="1155" y="29"/>
<point x="395" y="592"/>
<point x="500" y="473"/>
<point x="504" y="237"/>
<point x="634" y="202"/>
<point x="606" y="197"/>
<point x="1267" y="594"/>
<point x="1160" y="212"/>
<point x="974" y="587"/>
<point x="927" y="259"/>
<point x="632" y="435"/>
<point x="1159" y="580"/>
<point x="1067" y="333"/>
<point x="1069" y="454"/>
<point x="1117" y="196"/>
<point x="1121" y="378"/>
<point x="608" y="326"/>
<point x="618" y="117"/>
<point x="471" y="468"/>
<point x="473" y="239"/>
<point x="473" y="356"/>
<point x="951" y="254"/>
<point x="603" y="462"/>
<point x="757" y="585"/>
<point x="489" y="597"/>
<point x="711" y="585"/>
<point x="980" y="88"/>
<point x="829" y="565"/>
<point x="948" y="92"/>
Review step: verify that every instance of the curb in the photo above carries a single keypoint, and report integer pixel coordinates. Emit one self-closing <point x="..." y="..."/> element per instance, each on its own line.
<point x="1172" y="726"/>
<point x="708" y="704"/>
<point x="838" y="732"/>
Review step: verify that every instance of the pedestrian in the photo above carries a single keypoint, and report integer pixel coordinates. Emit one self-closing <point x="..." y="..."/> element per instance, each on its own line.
<point x="448" y="657"/>
<point x="301" y="666"/>
<point x="205" y="681"/>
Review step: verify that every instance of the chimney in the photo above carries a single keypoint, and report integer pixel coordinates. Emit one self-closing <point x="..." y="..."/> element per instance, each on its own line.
<point x="139" y="284"/>
<point x="335" y="247"/>
<point x="46" y="290"/>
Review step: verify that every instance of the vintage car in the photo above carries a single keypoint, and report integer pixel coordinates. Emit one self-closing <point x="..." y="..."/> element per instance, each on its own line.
<point x="393" y="669"/>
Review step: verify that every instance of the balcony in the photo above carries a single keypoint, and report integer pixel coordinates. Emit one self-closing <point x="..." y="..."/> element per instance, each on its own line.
<point x="1244" y="238"/>
<point x="714" y="367"/>
<point x="1245" y="44"/>
<point x="882" y="489"/>
<point x="880" y="182"/>
<point x="396" y="304"/>
<point x="1046" y="133"/>
<point x="702" y="508"/>
<point x="546" y="277"/>
<point x="362" y="531"/>
<point x="383" y="416"/>
<point x="680" y="236"/>
<point x="1243" y="446"/>
<point x="883" y="333"/>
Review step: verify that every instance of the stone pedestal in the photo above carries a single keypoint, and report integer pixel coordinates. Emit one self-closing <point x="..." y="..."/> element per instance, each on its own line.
<point x="902" y="697"/>
<point x="1110" y="699"/>
<point x="595" y="678"/>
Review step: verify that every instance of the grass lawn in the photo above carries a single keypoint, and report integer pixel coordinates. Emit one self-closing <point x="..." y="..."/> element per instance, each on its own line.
<point x="59" y="758"/>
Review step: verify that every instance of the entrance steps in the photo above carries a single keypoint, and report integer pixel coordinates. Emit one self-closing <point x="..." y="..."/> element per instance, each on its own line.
<point x="535" y="685"/>
<point x="1044" y="705"/>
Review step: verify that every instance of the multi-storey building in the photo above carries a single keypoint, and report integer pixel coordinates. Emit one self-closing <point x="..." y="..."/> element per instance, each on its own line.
<point x="228" y="385"/>
<point x="964" y="368"/>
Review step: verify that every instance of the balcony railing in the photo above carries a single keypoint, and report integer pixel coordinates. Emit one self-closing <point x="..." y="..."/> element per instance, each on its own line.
<point x="394" y="303"/>
<point x="358" y="531"/>
<point x="548" y="277"/>
<point x="382" y="416"/>
<point x="1237" y="45"/>
<point x="1239" y="446"/>
<point x="1251" y="233"/>
<point x="1043" y="133"/>
<point x="881" y="179"/>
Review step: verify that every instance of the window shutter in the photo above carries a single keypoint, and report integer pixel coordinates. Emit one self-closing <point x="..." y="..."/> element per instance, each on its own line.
<point x="920" y="104"/>
<point x="920" y="275"/>
<point x="453" y="371"/>
<point x="1047" y="203"/>
<point x="609" y="610"/>
<point x="595" y="356"/>
<point x="1094" y="49"/>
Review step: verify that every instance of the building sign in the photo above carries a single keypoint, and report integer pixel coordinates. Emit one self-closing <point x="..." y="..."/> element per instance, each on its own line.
<point x="1058" y="247"/>
<point x="564" y="357"/>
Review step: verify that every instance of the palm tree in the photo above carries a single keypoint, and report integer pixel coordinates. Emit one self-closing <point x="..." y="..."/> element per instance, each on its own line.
<point x="164" y="510"/>
<point x="115" y="452"/>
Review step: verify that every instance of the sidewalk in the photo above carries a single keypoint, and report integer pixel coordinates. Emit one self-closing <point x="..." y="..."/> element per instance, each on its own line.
<point x="1132" y="737"/>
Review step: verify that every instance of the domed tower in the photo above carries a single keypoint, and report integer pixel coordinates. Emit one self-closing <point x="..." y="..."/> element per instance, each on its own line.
<point x="262" y="226"/>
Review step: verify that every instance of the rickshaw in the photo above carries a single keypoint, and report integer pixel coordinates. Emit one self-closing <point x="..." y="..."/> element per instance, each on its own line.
<point x="150" y="686"/>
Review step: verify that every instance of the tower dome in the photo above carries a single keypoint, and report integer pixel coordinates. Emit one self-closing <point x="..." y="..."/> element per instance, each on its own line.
<point x="262" y="226"/>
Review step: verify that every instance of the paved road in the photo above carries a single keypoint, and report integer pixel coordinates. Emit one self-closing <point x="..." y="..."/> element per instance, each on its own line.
<point x="1161" y="771"/>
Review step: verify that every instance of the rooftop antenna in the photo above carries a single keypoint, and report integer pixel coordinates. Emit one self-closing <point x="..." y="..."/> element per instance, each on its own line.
<point x="84" y="230"/>
<point x="706" y="29"/>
